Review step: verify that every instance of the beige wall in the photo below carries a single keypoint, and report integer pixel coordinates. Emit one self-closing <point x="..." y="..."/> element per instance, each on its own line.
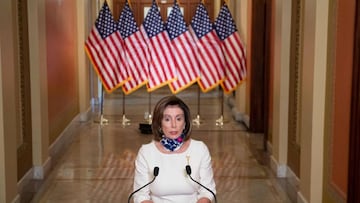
<point x="83" y="17"/>
<point x="38" y="82"/>
<point x="314" y="71"/>
<point x="280" y="85"/>
<point x="8" y="165"/>
<point x="313" y="80"/>
<point x="241" y="12"/>
<point x="54" y="77"/>
<point x="242" y="18"/>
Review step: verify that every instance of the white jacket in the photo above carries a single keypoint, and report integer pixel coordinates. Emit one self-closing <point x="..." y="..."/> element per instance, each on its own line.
<point x="173" y="185"/>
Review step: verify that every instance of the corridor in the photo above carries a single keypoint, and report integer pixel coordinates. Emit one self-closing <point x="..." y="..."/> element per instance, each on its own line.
<point x="98" y="164"/>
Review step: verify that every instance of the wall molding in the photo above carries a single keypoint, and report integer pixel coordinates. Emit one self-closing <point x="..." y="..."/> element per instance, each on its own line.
<point x="62" y="142"/>
<point x="237" y="115"/>
<point x="301" y="198"/>
<point x="41" y="172"/>
<point x="280" y="170"/>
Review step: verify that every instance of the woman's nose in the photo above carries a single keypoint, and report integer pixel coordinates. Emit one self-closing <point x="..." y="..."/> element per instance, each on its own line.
<point x="173" y="123"/>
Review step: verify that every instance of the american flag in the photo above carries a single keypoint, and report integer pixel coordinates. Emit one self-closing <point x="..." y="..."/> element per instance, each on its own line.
<point x="105" y="49"/>
<point x="161" y="65"/>
<point x="234" y="52"/>
<point x="136" y="50"/>
<point x="184" y="50"/>
<point x="209" y="53"/>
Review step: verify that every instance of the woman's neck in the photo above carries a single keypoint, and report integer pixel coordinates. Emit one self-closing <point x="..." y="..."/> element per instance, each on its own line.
<point x="182" y="149"/>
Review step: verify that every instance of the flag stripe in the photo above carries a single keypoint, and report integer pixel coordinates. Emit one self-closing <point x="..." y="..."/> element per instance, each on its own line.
<point x="135" y="47"/>
<point x="163" y="50"/>
<point x="208" y="52"/>
<point x="162" y="57"/>
<point x="109" y="66"/>
<point x="210" y="55"/>
<point x="136" y="50"/>
<point x="114" y="47"/>
<point x="104" y="47"/>
<point x="235" y="69"/>
<point x="161" y="61"/>
<point x="100" y="64"/>
<point x="212" y="63"/>
<point x="185" y="61"/>
<point x="184" y="51"/>
<point x="232" y="51"/>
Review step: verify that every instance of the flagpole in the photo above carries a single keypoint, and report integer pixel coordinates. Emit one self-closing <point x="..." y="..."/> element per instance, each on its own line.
<point x="102" y="119"/>
<point x="197" y="121"/>
<point x="220" y="121"/>
<point x="149" y="118"/>
<point x="198" y="100"/>
<point x="123" y="104"/>
<point x="125" y="121"/>
<point x="145" y="128"/>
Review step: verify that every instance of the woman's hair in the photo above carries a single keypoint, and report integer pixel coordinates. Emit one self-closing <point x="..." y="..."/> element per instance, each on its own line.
<point x="159" y="113"/>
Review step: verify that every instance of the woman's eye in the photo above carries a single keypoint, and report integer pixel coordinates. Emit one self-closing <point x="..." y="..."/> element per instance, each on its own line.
<point x="180" y="118"/>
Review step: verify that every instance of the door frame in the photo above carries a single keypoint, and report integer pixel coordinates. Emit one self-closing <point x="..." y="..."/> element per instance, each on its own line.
<point x="354" y="149"/>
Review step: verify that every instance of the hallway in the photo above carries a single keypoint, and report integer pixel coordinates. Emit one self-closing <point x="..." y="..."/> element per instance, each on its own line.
<point x="98" y="165"/>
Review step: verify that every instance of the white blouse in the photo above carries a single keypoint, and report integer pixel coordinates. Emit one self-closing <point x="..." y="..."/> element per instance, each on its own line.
<point x="173" y="185"/>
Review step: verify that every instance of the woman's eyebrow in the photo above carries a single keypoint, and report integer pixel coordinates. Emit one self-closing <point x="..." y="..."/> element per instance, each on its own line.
<point x="178" y="115"/>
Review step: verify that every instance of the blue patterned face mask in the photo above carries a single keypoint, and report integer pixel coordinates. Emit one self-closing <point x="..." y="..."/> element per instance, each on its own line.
<point x="172" y="144"/>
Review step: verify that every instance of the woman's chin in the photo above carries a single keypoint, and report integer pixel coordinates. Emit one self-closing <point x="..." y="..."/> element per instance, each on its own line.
<point x="174" y="136"/>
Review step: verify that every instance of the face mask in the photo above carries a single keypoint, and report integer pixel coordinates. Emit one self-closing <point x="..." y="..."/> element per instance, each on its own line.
<point x="172" y="144"/>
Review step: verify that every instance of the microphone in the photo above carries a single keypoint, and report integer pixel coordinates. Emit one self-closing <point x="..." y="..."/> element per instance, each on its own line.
<point x="188" y="171"/>
<point x="156" y="173"/>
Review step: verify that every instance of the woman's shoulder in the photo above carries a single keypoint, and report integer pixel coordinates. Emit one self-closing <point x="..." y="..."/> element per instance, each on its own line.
<point x="148" y="147"/>
<point x="198" y="144"/>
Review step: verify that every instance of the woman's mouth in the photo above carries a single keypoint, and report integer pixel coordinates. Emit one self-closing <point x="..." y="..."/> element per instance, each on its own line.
<point x="173" y="132"/>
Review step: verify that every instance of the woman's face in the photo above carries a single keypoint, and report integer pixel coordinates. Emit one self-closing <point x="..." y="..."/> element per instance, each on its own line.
<point x="173" y="121"/>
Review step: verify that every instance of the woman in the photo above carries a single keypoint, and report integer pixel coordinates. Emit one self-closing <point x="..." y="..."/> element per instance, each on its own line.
<point x="172" y="150"/>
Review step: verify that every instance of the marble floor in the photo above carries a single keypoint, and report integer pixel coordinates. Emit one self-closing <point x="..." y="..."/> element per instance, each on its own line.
<point x="98" y="164"/>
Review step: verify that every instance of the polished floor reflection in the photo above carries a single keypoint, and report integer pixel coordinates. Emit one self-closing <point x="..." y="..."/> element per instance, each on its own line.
<point x="98" y="165"/>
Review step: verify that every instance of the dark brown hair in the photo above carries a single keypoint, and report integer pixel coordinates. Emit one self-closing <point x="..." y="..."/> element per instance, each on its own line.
<point x="159" y="113"/>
